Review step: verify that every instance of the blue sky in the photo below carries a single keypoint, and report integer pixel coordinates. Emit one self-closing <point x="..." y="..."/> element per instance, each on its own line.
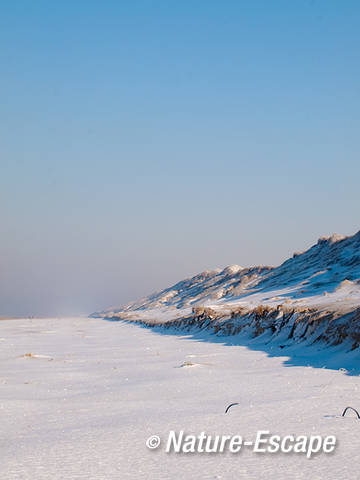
<point x="145" y="141"/>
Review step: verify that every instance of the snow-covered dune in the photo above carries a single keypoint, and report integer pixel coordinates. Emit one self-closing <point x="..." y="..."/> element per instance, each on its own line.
<point x="313" y="296"/>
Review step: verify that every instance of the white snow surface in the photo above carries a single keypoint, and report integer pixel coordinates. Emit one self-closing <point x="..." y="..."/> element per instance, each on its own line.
<point x="84" y="403"/>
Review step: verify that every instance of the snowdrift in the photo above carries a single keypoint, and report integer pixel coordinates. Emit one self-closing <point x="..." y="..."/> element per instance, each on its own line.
<point x="312" y="297"/>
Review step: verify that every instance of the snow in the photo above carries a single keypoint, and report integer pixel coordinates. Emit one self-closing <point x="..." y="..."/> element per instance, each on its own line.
<point x="325" y="278"/>
<point x="84" y="403"/>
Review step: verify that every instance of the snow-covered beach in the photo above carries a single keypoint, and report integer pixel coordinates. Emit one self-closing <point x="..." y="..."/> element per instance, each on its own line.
<point x="79" y="398"/>
<point x="180" y="240"/>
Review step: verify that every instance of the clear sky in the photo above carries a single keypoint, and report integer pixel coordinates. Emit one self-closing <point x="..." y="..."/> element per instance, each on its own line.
<point x="145" y="141"/>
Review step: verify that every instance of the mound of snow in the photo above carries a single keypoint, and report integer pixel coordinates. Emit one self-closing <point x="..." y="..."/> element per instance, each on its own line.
<point x="328" y="272"/>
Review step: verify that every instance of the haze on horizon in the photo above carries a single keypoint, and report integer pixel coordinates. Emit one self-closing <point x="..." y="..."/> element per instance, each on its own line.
<point x="144" y="142"/>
